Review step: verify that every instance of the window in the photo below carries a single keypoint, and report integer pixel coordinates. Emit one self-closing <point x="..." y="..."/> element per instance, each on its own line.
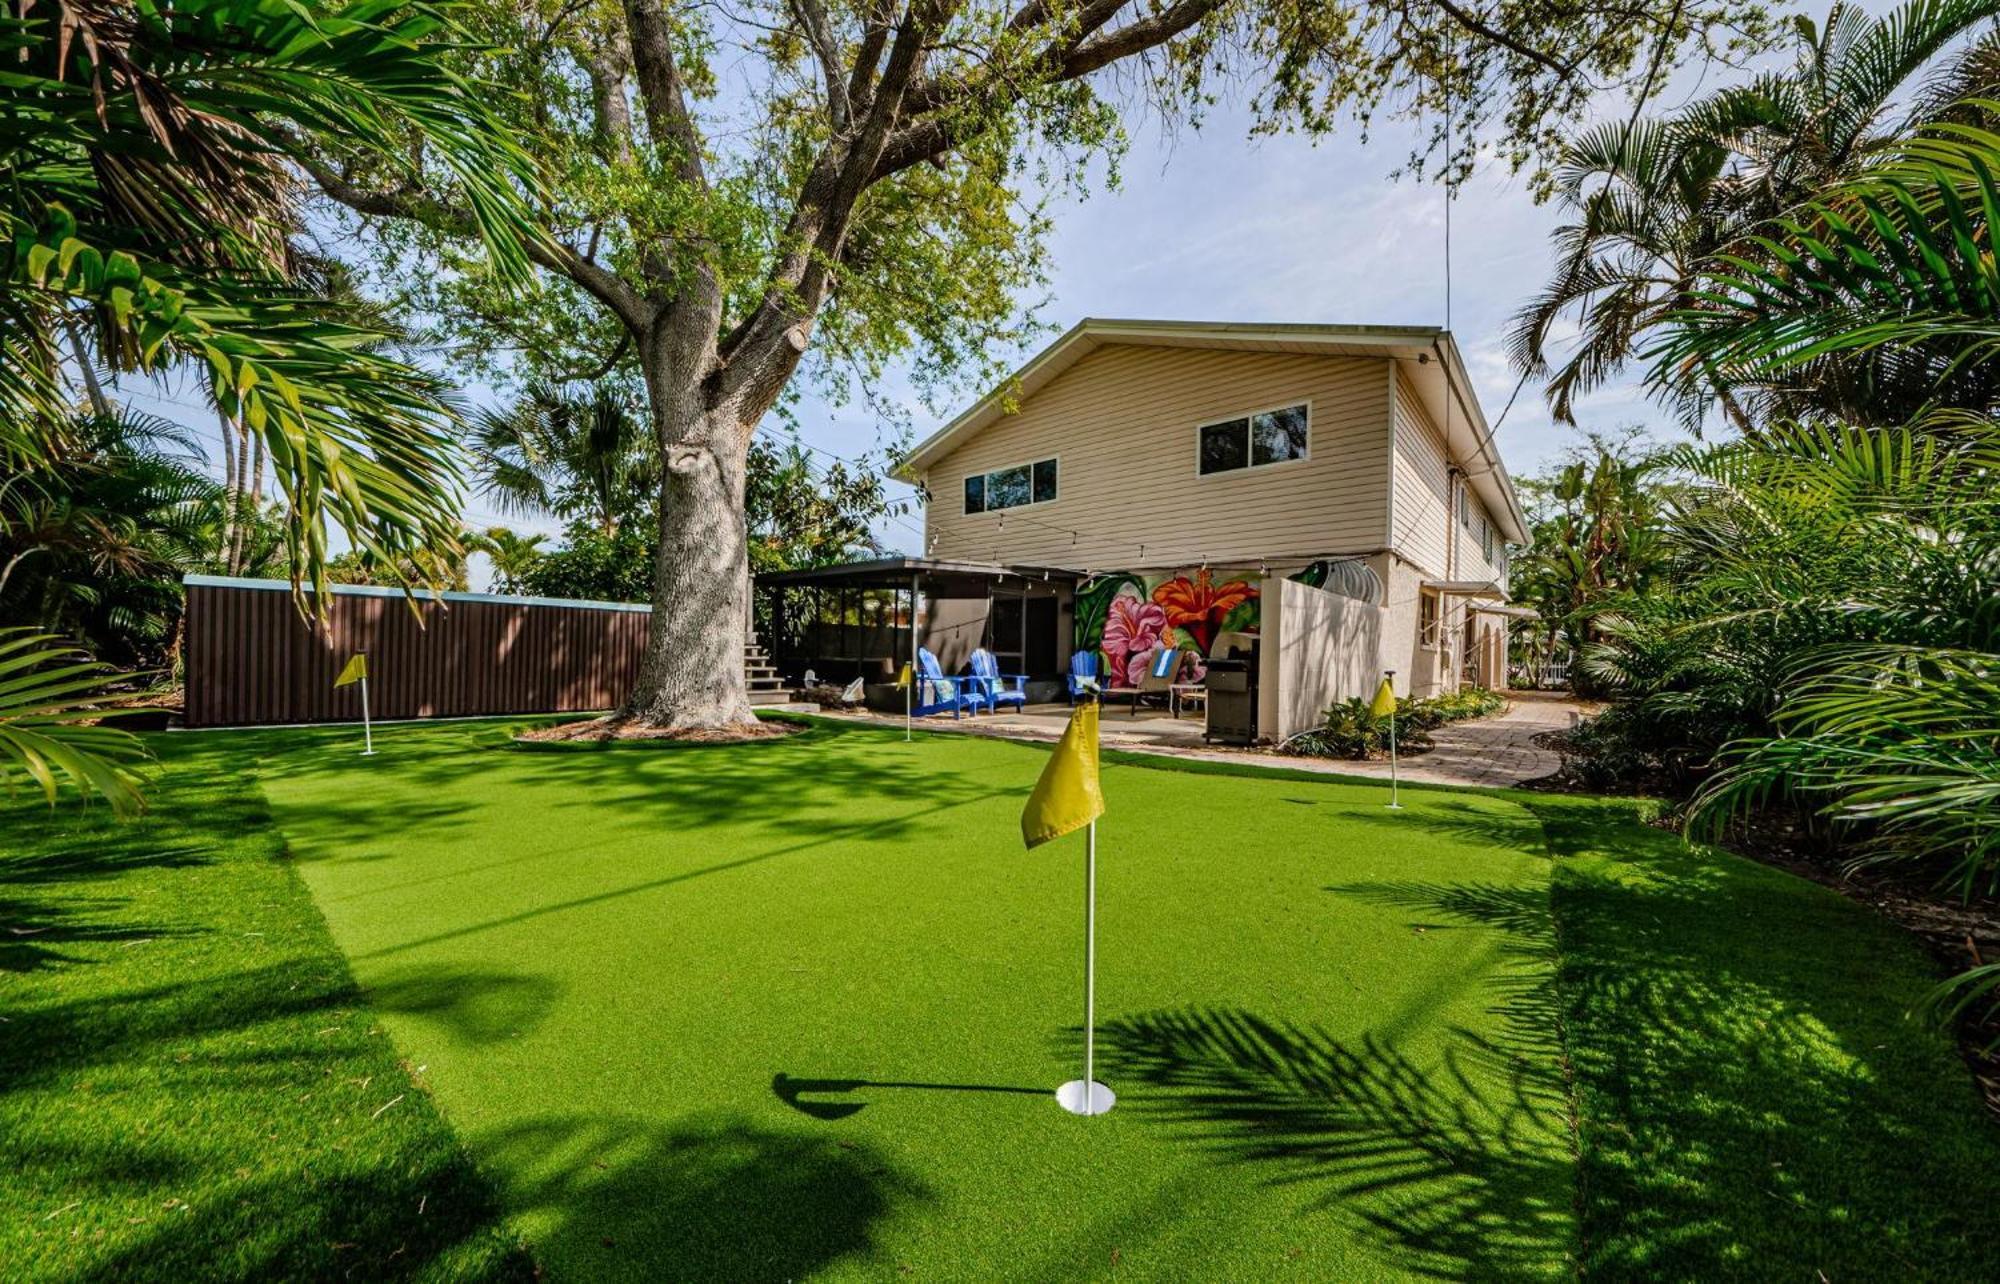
<point x="1486" y="538"/>
<point x="1427" y="620"/>
<point x="1252" y="441"/>
<point x="1014" y="487"/>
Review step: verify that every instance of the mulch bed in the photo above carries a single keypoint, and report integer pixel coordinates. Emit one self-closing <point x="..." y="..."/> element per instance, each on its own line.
<point x="601" y="730"/>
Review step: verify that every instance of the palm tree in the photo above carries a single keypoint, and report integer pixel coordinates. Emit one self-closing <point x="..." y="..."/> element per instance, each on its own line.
<point x="1654" y="199"/>
<point x="561" y="452"/>
<point x="146" y="153"/>
<point x="512" y="556"/>
<point x="1878" y="303"/>
<point x="95" y="537"/>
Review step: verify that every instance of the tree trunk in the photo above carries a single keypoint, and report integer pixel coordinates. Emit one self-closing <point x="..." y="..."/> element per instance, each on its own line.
<point x="232" y="493"/>
<point x="692" y="676"/>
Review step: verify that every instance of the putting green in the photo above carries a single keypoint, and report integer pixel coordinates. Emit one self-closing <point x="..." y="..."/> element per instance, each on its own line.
<point x="796" y="1009"/>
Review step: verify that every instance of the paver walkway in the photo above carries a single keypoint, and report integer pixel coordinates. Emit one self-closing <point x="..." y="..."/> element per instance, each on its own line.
<point x="1495" y="752"/>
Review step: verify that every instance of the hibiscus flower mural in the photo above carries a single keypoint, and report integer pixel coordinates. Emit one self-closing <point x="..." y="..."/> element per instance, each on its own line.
<point x="1124" y="615"/>
<point x="1198" y="605"/>
<point x="1132" y="627"/>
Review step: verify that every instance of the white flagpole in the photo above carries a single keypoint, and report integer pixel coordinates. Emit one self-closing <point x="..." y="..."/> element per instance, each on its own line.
<point x="1086" y="1096"/>
<point x="1090" y="967"/>
<point x="909" y="696"/>
<point x="367" y="728"/>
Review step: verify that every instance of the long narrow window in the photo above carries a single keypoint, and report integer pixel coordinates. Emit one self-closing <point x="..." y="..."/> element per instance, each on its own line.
<point x="1014" y="487"/>
<point x="1253" y="441"/>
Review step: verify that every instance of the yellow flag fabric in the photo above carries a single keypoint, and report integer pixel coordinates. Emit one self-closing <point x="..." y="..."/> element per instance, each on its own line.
<point x="1067" y="797"/>
<point x="1385" y="700"/>
<point x="903" y="678"/>
<point x="357" y="669"/>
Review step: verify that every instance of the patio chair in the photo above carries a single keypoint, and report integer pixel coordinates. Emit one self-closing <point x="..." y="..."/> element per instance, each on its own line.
<point x="935" y="692"/>
<point x="991" y="686"/>
<point x="1082" y="677"/>
<point x="1163" y="666"/>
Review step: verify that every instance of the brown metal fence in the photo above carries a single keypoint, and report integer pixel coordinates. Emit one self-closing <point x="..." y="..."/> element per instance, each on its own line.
<point x="251" y="658"/>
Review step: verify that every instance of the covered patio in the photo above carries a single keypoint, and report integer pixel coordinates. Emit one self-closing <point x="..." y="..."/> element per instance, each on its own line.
<point x="1120" y="728"/>
<point x="866" y="620"/>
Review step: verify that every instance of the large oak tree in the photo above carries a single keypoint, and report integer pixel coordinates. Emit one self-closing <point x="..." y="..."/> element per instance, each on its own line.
<point x="741" y="191"/>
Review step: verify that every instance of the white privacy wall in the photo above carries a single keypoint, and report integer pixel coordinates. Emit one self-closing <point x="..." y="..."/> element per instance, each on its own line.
<point x="1329" y="648"/>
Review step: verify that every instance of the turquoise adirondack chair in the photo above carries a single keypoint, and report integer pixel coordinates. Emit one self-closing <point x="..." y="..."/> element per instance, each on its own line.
<point x="992" y="686"/>
<point x="936" y="693"/>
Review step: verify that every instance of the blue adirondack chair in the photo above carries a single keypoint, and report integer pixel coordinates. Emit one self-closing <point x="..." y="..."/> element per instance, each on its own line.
<point x="935" y="693"/>
<point x="992" y="686"/>
<point x="1082" y="674"/>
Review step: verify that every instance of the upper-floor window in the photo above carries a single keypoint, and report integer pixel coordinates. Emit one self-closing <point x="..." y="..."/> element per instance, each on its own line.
<point x="1011" y="487"/>
<point x="1251" y="441"/>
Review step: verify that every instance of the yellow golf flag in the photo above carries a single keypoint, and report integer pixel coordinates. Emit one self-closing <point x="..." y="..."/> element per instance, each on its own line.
<point x="357" y="669"/>
<point x="1067" y="796"/>
<point x="903" y="678"/>
<point x="1384" y="703"/>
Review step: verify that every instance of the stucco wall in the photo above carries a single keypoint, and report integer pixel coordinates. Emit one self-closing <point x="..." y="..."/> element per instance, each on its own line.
<point x="1122" y="425"/>
<point x="1328" y="649"/>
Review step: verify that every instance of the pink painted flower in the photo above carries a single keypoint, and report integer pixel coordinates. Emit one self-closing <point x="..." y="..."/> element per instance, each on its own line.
<point x="1132" y="628"/>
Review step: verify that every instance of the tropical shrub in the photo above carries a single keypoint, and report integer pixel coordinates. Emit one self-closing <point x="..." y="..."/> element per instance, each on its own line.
<point x="1350" y="730"/>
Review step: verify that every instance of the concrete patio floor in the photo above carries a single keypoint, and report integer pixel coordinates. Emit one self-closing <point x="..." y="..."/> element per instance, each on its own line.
<point x="1494" y="752"/>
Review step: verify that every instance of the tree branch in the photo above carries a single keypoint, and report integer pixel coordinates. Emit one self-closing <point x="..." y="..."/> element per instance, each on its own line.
<point x="812" y="21"/>
<point x="1479" y="28"/>
<point x="937" y="133"/>
<point x="420" y="207"/>
<point x="661" y="88"/>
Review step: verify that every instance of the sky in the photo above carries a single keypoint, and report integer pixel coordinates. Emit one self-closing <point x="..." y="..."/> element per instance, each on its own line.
<point x="1209" y="224"/>
<point x="1214" y="226"/>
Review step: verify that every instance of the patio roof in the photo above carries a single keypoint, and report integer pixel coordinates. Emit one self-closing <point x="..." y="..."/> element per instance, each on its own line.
<point x="1468" y="588"/>
<point x="897" y="572"/>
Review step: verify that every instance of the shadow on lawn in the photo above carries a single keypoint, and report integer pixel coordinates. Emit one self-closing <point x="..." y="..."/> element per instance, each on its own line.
<point x="1753" y="1101"/>
<point x="715" y="1198"/>
<point x="1460" y="1164"/>
<point x="367" y="1204"/>
<point x="50" y="851"/>
<point x="809" y="1096"/>
<point x="801" y="792"/>
<point x="1460" y="1171"/>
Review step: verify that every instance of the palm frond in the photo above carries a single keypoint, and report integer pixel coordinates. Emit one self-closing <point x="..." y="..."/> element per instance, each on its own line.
<point x="51" y="728"/>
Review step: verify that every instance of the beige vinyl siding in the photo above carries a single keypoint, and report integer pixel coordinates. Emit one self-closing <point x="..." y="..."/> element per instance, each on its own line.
<point x="1422" y="485"/>
<point x="1473" y="564"/>
<point x="1122" y="422"/>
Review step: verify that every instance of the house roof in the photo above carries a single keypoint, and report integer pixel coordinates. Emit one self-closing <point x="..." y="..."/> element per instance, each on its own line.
<point x="896" y="572"/>
<point x="1429" y="354"/>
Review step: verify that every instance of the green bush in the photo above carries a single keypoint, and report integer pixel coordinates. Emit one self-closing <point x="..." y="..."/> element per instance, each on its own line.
<point x="1351" y="731"/>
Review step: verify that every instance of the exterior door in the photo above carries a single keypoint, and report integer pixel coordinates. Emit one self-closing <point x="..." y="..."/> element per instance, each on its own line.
<point x="1021" y="633"/>
<point x="1006" y="631"/>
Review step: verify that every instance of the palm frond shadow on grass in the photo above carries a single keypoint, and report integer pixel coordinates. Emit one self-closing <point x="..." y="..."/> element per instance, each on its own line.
<point x="1462" y="1173"/>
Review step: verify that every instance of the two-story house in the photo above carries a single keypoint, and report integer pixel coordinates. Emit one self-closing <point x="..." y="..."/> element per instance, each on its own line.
<point x="1331" y="492"/>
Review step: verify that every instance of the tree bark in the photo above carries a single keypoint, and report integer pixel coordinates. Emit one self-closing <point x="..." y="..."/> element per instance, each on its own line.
<point x="691" y="678"/>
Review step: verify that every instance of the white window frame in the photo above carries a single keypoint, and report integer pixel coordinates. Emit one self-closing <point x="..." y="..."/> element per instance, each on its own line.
<point x="1251" y="465"/>
<point x="1032" y="501"/>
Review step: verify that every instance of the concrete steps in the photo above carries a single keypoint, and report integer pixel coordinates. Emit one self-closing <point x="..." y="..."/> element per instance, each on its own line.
<point x="761" y="677"/>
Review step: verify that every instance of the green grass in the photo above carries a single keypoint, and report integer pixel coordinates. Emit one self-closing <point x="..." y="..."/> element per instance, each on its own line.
<point x="189" y="1086"/>
<point x="794" y="1009"/>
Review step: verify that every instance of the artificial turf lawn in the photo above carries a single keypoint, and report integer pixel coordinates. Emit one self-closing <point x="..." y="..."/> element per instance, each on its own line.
<point x="794" y="1008"/>
<point x="189" y="1086"/>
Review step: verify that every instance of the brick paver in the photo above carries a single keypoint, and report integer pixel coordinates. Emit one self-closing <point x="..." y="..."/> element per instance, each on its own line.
<point x="1495" y="752"/>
